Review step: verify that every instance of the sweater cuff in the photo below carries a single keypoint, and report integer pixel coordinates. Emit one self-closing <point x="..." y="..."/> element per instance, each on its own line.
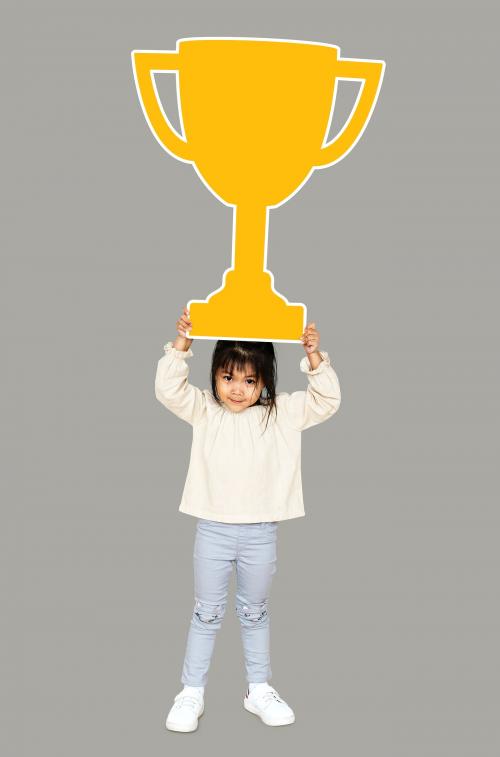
<point x="169" y="347"/>
<point x="305" y="365"/>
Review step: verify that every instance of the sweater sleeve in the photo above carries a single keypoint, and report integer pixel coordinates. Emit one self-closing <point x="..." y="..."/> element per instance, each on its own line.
<point x="172" y="388"/>
<point x="320" y="400"/>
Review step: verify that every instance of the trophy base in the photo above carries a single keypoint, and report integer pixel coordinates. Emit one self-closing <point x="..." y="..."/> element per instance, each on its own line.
<point x="247" y="308"/>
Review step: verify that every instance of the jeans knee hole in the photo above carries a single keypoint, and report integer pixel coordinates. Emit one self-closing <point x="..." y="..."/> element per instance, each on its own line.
<point x="253" y="615"/>
<point x="209" y="613"/>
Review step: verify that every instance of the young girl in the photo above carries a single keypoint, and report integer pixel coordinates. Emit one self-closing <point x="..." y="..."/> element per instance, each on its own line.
<point x="243" y="478"/>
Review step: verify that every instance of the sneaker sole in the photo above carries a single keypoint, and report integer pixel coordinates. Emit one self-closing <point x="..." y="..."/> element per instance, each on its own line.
<point x="250" y="708"/>
<point x="182" y="727"/>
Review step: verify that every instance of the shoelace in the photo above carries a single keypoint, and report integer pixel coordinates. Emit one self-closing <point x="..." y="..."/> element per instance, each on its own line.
<point x="269" y="696"/>
<point x="189" y="700"/>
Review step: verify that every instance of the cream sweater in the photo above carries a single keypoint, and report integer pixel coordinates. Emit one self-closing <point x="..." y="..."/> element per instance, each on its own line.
<point x="239" y="471"/>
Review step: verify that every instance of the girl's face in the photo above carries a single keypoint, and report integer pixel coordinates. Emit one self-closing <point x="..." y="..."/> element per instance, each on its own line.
<point x="238" y="390"/>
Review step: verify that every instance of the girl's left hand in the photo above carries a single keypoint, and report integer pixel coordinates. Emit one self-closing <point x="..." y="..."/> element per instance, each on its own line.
<point x="310" y="338"/>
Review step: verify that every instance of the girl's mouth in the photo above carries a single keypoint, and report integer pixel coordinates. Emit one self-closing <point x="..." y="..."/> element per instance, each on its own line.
<point x="237" y="402"/>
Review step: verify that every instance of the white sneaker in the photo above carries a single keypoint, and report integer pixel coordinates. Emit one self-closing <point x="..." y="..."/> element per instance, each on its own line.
<point x="184" y="714"/>
<point x="265" y="702"/>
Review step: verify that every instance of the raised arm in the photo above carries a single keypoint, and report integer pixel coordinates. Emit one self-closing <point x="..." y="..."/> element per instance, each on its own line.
<point x="172" y="388"/>
<point x="321" y="399"/>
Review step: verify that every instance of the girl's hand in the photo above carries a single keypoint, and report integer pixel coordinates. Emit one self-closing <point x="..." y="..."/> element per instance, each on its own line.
<point x="310" y="338"/>
<point x="182" y="342"/>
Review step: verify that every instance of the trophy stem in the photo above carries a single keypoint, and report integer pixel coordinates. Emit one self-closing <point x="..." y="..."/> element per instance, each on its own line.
<point x="249" y="239"/>
<point x="247" y="306"/>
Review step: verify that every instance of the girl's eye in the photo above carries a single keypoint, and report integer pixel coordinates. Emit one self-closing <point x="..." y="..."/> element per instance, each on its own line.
<point x="228" y="377"/>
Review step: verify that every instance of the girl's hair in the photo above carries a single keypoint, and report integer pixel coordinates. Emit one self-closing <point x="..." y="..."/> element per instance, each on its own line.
<point x="228" y="355"/>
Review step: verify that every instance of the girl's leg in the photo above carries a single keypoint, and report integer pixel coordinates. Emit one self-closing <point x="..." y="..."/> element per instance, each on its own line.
<point x="213" y="558"/>
<point x="255" y="567"/>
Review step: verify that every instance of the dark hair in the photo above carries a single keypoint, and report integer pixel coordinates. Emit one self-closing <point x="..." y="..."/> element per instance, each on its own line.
<point x="260" y="355"/>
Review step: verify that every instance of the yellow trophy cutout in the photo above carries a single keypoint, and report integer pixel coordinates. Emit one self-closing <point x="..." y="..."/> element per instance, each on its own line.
<point x="255" y="114"/>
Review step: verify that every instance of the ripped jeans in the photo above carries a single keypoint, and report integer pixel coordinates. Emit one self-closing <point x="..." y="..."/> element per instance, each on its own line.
<point x="251" y="547"/>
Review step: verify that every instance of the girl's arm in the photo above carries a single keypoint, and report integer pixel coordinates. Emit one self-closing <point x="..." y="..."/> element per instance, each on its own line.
<point x="321" y="399"/>
<point x="172" y="388"/>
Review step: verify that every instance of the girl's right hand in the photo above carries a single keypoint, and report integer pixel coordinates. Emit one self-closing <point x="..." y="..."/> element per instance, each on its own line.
<point x="182" y="342"/>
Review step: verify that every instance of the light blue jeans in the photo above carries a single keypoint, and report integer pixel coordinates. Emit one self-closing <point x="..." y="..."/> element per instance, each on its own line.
<point x="251" y="547"/>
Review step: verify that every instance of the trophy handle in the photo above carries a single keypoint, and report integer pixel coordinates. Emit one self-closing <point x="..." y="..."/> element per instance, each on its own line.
<point x="143" y="64"/>
<point x="371" y="73"/>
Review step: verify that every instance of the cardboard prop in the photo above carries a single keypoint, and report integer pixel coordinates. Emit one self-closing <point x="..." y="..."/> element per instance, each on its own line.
<point x="255" y="114"/>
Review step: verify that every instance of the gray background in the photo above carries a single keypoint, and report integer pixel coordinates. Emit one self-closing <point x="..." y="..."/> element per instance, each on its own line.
<point x="385" y="614"/>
